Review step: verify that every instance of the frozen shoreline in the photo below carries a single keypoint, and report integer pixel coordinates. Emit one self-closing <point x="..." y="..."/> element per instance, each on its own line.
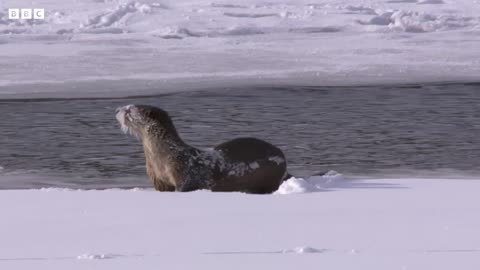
<point x="178" y="45"/>
<point x="374" y="224"/>
<point x="122" y="88"/>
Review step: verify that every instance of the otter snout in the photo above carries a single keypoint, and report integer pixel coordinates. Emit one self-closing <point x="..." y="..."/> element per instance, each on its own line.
<point x="122" y="113"/>
<point x="125" y="109"/>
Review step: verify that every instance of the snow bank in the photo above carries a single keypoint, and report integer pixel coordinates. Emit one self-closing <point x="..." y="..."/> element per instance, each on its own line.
<point x="311" y="184"/>
<point x="302" y="250"/>
<point x="357" y="224"/>
<point x="97" y="256"/>
<point x="419" y="22"/>
<point x="115" y="16"/>
<point x="199" y="44"/>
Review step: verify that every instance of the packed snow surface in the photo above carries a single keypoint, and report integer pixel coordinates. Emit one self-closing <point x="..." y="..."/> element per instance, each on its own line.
<point x="347" y="224"/>
<point x="192" y="44"/>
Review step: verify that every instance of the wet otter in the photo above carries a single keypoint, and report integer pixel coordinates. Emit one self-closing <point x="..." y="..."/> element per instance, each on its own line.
<point x="245" y="164"/>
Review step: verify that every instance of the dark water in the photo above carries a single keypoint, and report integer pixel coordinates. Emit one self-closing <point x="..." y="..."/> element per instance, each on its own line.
<point x="354" y="130"/>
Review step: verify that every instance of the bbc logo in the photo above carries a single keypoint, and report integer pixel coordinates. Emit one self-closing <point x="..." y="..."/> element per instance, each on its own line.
<point x="26" y="13"/>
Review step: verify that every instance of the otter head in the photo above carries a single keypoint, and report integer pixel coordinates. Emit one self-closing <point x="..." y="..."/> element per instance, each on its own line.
<point x="145" y="122"/>
<point x="160" y="141"/>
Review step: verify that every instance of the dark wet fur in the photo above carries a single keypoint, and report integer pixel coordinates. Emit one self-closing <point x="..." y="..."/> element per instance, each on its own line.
<point x="266" y="179"/>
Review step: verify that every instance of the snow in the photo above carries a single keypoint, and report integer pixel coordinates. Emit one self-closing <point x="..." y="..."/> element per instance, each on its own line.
<point x="97" y="256"/>
<point x="296" y="185"/>
<point x="350" y="224"/>
<point x="277" y="159"/>
<point x="155" y="46"/>
<point x="312" y="184"/>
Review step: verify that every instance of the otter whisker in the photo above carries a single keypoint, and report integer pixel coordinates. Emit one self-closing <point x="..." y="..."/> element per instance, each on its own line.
<point x="125" y="129"/>
<point x="129" y="131"/>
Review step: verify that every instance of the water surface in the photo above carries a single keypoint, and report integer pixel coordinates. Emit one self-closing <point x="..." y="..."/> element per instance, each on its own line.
<point x="407" y="129"/>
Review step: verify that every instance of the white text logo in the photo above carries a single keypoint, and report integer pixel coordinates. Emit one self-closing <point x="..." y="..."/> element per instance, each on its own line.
<point x="26" y="13"/>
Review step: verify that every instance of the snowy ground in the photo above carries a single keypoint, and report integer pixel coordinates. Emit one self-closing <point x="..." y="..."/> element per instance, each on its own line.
<point x="345" y="224"/>
<point x="193" y="44"/>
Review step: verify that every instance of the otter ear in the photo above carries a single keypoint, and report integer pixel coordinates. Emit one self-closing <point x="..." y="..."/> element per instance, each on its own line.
<point x="151" y="114"/>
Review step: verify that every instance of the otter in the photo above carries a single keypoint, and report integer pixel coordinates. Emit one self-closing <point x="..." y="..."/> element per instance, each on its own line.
<point x="247" y="165"/>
